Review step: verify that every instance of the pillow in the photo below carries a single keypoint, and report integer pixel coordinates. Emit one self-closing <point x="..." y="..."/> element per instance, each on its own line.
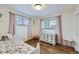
<point x="10" y="36"/>
<point x="2" y="34"/>
<point x="4" y="38"/>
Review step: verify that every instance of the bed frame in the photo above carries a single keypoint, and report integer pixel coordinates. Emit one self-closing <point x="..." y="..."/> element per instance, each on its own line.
<point x="35" y="50"/>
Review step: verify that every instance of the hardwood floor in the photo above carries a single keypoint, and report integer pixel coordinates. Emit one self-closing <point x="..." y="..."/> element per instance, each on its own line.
<point x="32" y="42"/>
<point x="46" y="48"/>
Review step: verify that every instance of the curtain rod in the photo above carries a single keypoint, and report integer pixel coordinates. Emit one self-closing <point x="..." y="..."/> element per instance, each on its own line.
<point x="51" y="17"/>
<point x="48" y="17"/>
<point x="20" y="15"/>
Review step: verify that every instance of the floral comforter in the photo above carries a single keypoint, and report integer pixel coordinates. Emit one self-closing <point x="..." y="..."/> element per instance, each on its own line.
<point x="13" y="46"/>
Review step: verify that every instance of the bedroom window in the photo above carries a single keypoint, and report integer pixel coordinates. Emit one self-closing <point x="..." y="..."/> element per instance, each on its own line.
<point x="48" y="26"/>
<point x="22" y="28"/>
<point x="21" y="21"/>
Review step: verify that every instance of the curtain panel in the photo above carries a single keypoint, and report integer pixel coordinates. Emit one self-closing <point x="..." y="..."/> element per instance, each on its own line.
<point x="12" y="23"/>
<point x="59" y="30"/>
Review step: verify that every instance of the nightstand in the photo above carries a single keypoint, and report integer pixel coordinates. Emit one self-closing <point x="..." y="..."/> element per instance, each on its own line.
<point x="68" y="41"/>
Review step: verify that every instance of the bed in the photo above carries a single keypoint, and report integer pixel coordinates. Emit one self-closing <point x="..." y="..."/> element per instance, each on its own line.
<point x="15" y="46"/>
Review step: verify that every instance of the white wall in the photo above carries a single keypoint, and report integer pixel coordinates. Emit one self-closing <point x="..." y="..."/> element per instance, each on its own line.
<point x="68" y="25"/>
<point x="4" y="20"/>
<point x="76" y="28"/>
<point x="35" y="26"/>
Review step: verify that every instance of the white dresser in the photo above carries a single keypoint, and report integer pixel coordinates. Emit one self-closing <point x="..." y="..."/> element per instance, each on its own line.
<point x="49" y="38"/>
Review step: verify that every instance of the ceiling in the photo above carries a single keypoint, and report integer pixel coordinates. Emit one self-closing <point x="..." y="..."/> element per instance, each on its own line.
<point x="49" y="9"/>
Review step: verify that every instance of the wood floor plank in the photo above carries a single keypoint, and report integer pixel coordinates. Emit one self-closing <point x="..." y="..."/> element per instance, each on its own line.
<point x="46" y="48"/>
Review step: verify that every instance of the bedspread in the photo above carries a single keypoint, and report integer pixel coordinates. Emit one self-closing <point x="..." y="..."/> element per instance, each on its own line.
<point x="13" y="46"/>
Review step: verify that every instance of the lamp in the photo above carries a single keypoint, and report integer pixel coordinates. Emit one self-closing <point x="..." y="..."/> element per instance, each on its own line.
<point x="38" y="6"/>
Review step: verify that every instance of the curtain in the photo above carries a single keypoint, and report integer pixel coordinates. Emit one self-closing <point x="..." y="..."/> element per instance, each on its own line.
<point x="59" y="30"/>
<point x="12" y="23"/>
<point x="29" y="29"/>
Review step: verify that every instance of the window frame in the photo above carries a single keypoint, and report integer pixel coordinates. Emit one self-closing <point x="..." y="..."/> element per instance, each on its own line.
<point x="49" y="19"/>
<point x="21" y="19"/>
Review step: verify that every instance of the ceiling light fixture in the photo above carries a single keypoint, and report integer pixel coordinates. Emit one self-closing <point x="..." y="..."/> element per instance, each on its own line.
<point x="38" y="6"/>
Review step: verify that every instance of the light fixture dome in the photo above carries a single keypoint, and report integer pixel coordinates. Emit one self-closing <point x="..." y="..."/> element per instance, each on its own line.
<point x="38" y="6"/>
